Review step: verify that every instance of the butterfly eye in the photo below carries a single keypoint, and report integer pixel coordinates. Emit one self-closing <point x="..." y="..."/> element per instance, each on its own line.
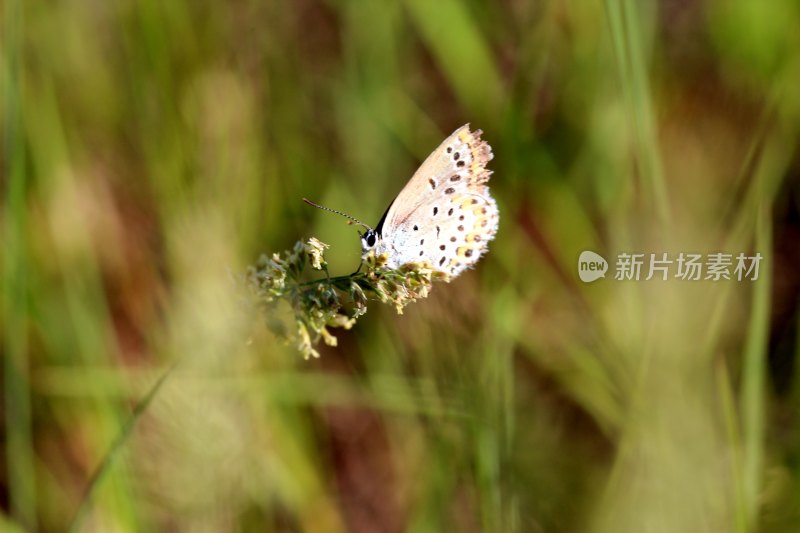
<point x="370" y="239"/>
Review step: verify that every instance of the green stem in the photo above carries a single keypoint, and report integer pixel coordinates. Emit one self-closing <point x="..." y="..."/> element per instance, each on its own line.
<point x="333" y="280"/>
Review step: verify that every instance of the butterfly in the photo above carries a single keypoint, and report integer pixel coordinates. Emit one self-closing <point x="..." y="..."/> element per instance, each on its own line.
<point x="444" y="217"/>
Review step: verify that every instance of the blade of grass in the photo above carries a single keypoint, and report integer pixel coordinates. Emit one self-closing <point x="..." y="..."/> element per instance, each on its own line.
<point x="20" y="457"/>
<point x="105" y="465"/>
<point x="626" y="34"/>
<point x="463" y="54"/>
<point x="754" y="372"/>
<point x="733" y="434"/>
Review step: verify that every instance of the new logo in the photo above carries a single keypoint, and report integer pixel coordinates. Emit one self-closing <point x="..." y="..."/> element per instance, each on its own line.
<point x="591" y="266"/>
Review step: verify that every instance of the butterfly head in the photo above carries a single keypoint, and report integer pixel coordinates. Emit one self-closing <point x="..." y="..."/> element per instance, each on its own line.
<point x="368" y="240"/>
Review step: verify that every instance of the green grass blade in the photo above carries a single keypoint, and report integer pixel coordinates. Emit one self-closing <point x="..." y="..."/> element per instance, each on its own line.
<point x="115" y="448"/>
<point x="754" y="372"/>
<point x="20" y="456"/>
<point x="463" y="54"/>
<point x="625" y="21"/>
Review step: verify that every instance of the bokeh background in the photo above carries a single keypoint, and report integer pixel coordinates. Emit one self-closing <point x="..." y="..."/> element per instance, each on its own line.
<point x="152" y="150"/>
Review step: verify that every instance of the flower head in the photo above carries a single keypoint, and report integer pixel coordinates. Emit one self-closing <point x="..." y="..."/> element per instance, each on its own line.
<point x="337" y="302"/>
<point x="315" y="249"/>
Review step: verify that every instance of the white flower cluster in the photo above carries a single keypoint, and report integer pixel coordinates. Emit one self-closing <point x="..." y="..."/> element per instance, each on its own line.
<point x="329" y="302"/>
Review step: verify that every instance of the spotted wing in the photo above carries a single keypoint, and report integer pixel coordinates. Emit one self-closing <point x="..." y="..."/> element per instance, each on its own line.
<point x="445" y="215"/>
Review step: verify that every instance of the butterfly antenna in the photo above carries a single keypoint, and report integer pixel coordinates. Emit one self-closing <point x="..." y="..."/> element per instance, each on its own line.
<point x="345" y="215"/>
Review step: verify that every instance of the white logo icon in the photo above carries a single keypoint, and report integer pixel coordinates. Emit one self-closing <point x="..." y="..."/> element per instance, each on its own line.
<point x="591" y="266"/>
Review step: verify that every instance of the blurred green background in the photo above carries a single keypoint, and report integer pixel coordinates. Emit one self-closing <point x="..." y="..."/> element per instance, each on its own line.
<point x="151" y="150"/>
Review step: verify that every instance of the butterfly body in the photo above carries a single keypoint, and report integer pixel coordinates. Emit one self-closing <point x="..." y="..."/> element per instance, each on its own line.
<point x="445" y="216"/>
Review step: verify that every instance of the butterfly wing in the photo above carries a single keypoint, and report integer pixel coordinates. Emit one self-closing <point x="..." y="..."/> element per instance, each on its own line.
<point x="445" y="215"/>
